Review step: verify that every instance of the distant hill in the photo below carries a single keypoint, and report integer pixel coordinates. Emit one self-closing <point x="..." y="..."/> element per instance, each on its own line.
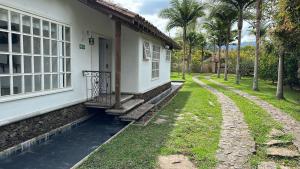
<point x="243" y="45"/>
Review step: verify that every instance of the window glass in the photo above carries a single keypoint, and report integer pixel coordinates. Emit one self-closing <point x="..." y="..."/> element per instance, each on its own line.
<point x="38" y="82"/>
<point x="37" y="45"/>
<point x="26" y="24"/>
<point x="46" y="64"/>
<point x="5" y="86"/>
<point x="16" y="43"/>
<point x="54" y="31"/>
<point x="168" y="55"/>
<point x="62" y="65"/>
<point x="37" y="64"/>
<point x="15" y="21"/>
<point x="68" y="34"/>
<point x="27" y="64"/>
<point x="17" y="81"/>
<point x="54" y="81"/>
<point x="61" y="33"/>
<point x="3" y="19"/>
<point x="68" y="80"/>
<point x="4" y="64"/>
<point x="54" y="48"/>
<point x="3" y="42"/>
<point x="28" y="83"/>
<point x="68" y="49"/>
<point x="68" y="65"/>
<point x="36" y="26"/>
<point x="17" y="63"/>
<point x="46" y="29"/>
<point x="27" y="44"/>
<point x="47" y="82"/>
<point x="54" y="64"/>
<point x="46" y="47"/>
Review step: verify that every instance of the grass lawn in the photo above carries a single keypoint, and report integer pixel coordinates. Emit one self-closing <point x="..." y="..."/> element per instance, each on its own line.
<point x="267" y="92"/>
<point x="192" y="128"/>
<point x="259" y="121"/>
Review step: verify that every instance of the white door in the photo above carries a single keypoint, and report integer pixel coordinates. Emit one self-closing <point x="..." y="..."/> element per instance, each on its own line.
<point x="105" y="65"/>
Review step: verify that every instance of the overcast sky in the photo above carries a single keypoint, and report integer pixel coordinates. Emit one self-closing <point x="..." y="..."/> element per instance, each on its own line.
<point x="150" y="10"/>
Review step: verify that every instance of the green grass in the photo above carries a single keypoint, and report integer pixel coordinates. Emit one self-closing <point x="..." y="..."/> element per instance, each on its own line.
<point x="290" y="105"/>
<point x="259" y="121"/>
<point x="176" y="76"/>
<point x="196" y="135"/>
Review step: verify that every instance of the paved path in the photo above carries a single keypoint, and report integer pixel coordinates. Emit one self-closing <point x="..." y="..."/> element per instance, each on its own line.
<point x="236" y="144"/>
<point x="290" y="124"/>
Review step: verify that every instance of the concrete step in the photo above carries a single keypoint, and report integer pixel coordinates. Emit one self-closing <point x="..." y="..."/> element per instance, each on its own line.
<point x="137" y="113"/>
<point x="126" y="107"/>
<point x="282" y="152"/>
<point x="278" y="143"/>
<point x="104" y="104"/>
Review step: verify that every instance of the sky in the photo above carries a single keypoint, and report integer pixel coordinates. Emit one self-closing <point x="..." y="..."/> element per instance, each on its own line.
<point x="150" y="10"/>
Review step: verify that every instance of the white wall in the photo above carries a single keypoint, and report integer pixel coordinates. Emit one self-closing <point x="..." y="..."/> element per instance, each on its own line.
<point x="146" y="82"/>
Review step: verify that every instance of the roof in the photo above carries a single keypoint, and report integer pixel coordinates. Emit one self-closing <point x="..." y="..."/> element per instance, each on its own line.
<point x="130" y="19"/>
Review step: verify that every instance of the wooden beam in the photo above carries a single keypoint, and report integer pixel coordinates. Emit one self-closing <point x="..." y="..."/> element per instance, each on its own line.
<point x="118" y="32"/>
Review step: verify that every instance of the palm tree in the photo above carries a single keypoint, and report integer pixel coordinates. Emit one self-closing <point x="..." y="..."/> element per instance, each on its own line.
<point x="257" y="51"/>
<point x="194" y="39"/>
<point x="228" y="14"/>
<point x="181" y="14"/>
<point x="241" y="6"/>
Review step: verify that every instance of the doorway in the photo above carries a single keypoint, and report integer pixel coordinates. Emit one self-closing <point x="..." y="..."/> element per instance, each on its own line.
<point x="105" y="62"/>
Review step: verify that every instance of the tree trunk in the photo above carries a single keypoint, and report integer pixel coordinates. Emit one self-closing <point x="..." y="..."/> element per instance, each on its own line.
<point x="215" y="52"/>
<point x="257" y="51"/>
<point x="184" y="53"/>
<point x="189" y="60"/>
<point x="240" y="27"/>
<point x="279" y="93"/>
<point x="227" y="52"/>
<point x="219" y="62"/>
<point x="202" y="58"/>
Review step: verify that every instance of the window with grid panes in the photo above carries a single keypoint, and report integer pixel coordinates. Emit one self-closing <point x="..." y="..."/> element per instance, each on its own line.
<point x="155" y="61"/>
<point x="35" y="53"/>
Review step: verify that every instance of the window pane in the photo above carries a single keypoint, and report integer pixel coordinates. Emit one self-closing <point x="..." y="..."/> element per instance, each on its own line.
<point x="46" y="29"/>
<point x="17" y="84"/>
<point x="54" y="65"/>
<point x="16" y="43"/>
<point x="61" y="65"/>
<point x="55" y="81"/>
<point x="27" y="44"/>
<point x="53" y="31"/>
<point x="15" y="21"/>
<point x="46" y="64"/>
<point x="61" y="32"/>
<point x="28" y="83"/>
<point x="36" y="26"/>
<point x="68" y="65"/>
<point x="27" y="64"/>
<point x="4" y="86"/>
<point x="37" y="45"/>
<point x="26" y="24"/>
<point x="54" y="48"/>
<point x="17" y="63"/>
<point x="38" y="82"/>
<point x="46" y="47"/>
<point x="69" y="80"/>
<point x="61" y="80"/>
<point x="3" y="41"/>
<point x="68" y="34"/>
<point x="68" y="49"/>
<point x="3" y="19"/>
<point x="47" y="82"/>
<point x="4" y="64"/>
<point x="61" y="48"/>
<point x="37" y="64"/>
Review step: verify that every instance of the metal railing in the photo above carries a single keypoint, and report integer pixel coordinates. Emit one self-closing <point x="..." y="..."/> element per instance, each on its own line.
<point x="98" y="86"/>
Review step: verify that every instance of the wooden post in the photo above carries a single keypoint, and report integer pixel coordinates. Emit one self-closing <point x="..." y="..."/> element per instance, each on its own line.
<point x="118" y="64"/>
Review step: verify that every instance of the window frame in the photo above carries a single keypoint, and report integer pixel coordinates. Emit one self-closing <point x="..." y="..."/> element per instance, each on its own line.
<point x="32" y="55"/>
<point x="155" y="72"/>
<point x="168" y="55"/>
<point x="146" y="51"/>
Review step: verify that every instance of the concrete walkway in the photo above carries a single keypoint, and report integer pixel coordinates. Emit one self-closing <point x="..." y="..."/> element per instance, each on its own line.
<point x="290" y="124"/>
<point x="236" y="144"/>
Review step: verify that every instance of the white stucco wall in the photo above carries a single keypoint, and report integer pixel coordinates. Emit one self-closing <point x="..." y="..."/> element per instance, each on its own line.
<point x="136" y="73"/>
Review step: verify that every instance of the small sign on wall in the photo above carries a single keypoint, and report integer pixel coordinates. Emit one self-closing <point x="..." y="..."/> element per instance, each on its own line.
<point x="82" y="46"/>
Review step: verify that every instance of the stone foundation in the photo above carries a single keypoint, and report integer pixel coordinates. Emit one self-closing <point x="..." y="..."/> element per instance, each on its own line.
<point x="154" y="92"/>
<point x="19" y="132"/>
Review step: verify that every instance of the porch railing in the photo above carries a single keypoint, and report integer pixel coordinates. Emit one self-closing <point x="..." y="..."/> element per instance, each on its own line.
<point x="98" y="86"/>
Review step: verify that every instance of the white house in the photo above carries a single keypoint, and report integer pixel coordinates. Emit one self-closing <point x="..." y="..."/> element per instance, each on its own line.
<point x="57" y="54"/>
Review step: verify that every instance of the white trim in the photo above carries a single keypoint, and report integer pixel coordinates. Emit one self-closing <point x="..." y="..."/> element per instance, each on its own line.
<point x="40" y="112"/>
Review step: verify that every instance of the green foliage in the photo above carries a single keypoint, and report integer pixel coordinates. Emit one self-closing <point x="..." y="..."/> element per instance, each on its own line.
<point x="268" y="66"/>
<point x="291" y="71"/>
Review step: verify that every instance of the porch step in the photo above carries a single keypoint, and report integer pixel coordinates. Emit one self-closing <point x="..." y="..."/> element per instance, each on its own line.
<point x="126" y="98"/>
<point x="126" y="107"/>
<point x="137" y="113"/>
<point x="105" y="105"/>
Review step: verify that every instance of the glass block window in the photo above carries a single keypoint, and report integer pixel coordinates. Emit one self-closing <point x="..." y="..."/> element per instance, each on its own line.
<point x="155" y="61"/>
<point x="168" y="55"/>
<point x="35" y="54"/>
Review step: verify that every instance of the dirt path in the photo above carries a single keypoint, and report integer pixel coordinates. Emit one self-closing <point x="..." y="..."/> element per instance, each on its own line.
<point x="290" y="124"/>
<point x="236" y="144"/>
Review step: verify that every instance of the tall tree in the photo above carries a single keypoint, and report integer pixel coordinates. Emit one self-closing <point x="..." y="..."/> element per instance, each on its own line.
<point x="241" y="6"/>
<point x="228" y="14"/>
<point x="194" y="39"/>
<point x="181" y="14"/>
<point x="257" y="50"/>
